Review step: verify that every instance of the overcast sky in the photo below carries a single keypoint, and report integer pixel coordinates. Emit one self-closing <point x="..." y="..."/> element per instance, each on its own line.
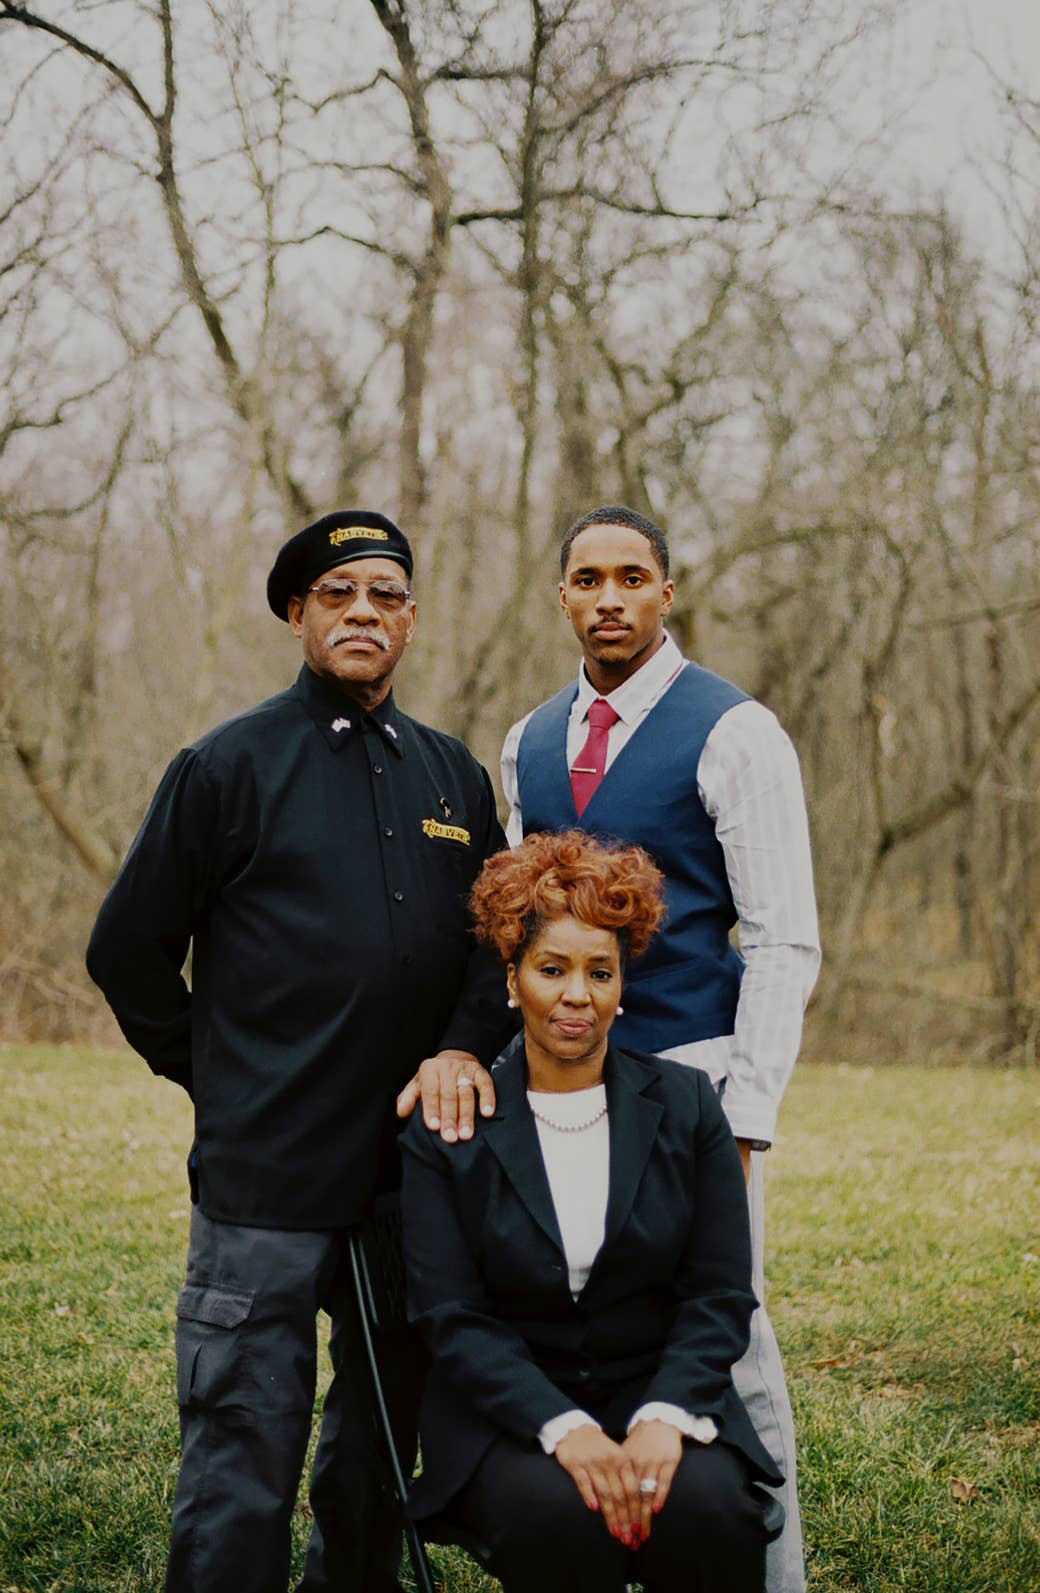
<point x="952" y="119"/>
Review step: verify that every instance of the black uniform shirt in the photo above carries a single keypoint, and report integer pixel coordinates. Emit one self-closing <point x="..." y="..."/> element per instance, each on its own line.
<point x="319" y="859"/>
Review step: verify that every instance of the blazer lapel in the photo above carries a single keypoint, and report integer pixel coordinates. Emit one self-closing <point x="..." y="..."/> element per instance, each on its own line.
<point x="513" y="1136"/>
<point x="634" y="1120"/>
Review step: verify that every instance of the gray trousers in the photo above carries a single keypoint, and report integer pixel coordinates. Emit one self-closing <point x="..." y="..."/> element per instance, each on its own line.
<point x="246" y="1373"/>
<point x="760" y="1382"/>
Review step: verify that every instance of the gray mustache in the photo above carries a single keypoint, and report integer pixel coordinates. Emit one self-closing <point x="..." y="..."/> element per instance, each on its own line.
<point x="358" y="633"/>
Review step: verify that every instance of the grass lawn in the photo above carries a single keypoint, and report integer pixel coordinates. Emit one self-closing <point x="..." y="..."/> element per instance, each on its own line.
<point x="905" y="1279"/>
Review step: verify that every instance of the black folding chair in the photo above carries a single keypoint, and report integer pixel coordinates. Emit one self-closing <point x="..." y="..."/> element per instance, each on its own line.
<point x="377" y="1266"/>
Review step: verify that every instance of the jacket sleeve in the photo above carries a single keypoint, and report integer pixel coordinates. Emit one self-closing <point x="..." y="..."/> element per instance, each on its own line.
<point x="712" y="1321"/>
<point x="481" y="1022"/>
<point x="140" y="940"/>
<point x="477" y="1354"/>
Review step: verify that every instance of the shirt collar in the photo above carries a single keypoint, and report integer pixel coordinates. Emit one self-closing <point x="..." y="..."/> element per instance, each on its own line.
<point x="338" y="718"/>
<point x="640" y="691"/>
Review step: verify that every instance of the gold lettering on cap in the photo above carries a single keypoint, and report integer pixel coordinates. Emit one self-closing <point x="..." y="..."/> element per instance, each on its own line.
<point x="445" y="832"/>
<point x="348" y="533"/>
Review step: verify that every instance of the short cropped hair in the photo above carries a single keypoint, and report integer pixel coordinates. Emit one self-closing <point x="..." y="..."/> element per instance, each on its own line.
<point x="613" y="887"/>
<point x="616" y="514"/>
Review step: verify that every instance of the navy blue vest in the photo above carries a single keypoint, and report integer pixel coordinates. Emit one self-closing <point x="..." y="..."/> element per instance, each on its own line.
<point x="686" y="986"/>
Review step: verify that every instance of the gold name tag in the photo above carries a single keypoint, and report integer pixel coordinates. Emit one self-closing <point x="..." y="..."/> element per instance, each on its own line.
<point x="349" y="533"/>
<point x="445" y="832"/>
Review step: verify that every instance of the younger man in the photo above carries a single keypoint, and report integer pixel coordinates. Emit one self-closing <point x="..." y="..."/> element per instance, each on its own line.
<point x="649" y="748"/>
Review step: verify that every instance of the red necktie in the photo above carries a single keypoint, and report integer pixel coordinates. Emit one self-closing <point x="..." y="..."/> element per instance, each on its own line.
<point x="591" y="761"/>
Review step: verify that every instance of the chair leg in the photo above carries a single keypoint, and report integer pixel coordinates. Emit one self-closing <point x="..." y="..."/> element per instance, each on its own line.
<point x="416" y="1548"/>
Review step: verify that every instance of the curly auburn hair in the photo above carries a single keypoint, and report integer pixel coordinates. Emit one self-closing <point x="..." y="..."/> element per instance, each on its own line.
<point x="605" y="886"/>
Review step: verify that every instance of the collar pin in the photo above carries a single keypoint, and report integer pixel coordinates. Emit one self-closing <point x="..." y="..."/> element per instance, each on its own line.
<point x="341" y="724"/>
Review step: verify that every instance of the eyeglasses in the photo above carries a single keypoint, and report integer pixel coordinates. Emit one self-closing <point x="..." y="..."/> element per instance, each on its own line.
<point x="385" y="595"/>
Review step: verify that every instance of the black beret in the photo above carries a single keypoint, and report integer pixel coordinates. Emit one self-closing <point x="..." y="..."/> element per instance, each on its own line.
<point x="334" y="539"/>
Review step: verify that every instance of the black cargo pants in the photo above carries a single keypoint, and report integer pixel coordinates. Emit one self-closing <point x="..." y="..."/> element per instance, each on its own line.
<point x="246" y="1371"/>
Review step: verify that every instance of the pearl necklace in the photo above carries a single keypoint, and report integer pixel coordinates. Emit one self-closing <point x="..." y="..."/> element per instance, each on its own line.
<point x="570" y="1128"/>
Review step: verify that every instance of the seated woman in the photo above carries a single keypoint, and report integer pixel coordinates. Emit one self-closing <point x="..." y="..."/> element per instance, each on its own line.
<point x="581" y="1270"/>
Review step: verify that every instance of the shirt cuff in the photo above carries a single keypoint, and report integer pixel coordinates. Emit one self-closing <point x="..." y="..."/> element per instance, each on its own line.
<point x="556" y="1430"/>
<point x="702" y="1428"/>
<point x="749" y="1120"/>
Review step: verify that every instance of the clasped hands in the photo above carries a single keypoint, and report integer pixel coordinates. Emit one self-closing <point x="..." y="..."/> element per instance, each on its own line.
<point x="608" y="1474"/>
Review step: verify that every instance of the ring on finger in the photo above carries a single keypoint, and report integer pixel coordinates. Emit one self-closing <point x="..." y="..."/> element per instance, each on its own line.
<point x="648" y="1485"/>
<point x="464" y="1083"/>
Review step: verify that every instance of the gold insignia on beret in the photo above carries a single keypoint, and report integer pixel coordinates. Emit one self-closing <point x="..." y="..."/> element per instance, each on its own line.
<point x="445" y="832"/>
<point x="349" y="533"/>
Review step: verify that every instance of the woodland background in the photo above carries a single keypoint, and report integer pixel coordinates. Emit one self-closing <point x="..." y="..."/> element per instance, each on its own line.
<point x="482" y="266"/>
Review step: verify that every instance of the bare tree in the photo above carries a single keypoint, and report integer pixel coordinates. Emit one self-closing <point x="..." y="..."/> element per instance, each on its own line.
<point x="484" y="266"/>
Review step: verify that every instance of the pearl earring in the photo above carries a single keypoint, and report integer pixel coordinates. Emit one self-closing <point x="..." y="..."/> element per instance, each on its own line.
<point x="620" y="1010"/>
<point x="510" y="1002"/>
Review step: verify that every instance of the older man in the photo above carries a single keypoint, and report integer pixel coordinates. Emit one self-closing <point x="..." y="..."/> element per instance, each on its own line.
<point x="315" y="853"/>
<point x="649" y="747"/>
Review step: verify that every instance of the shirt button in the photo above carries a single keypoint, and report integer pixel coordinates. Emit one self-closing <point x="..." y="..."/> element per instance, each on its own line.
<point x="377" y="768"/>
<point x="398" y="896"/>
<point x="387" y="831"/>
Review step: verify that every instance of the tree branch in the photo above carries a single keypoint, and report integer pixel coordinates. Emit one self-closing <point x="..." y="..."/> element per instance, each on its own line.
<point x="29" y="19"/>
<point x="94" y="852"/>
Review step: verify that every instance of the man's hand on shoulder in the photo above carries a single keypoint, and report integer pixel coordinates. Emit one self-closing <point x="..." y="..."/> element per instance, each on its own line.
<point x="449" y="1085"/>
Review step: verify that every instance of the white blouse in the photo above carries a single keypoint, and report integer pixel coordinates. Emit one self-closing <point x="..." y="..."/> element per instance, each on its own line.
<point x="577" y="1161"/>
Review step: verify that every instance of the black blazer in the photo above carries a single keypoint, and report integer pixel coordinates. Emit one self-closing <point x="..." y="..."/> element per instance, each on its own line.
<point x="667" y="1306"/>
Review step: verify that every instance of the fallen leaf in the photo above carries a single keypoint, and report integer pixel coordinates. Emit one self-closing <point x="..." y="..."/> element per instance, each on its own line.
<point x="830" y="1360"/>
<point x="963" y="1492"/>
<point x="63" y="1310"/>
